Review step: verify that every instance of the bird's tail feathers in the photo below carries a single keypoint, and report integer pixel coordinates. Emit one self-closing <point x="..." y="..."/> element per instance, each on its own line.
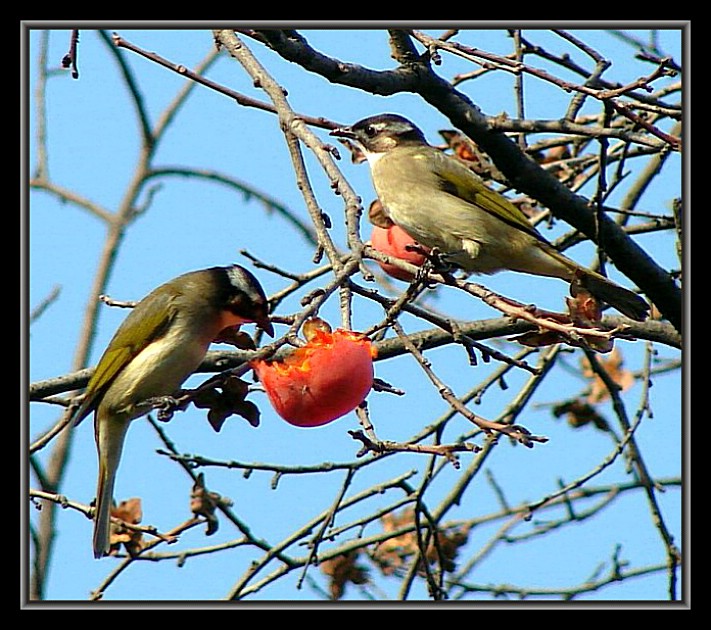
<point x="110" y="445"/>
<point x="102" y="518"/>
<point x="624" y="300"/>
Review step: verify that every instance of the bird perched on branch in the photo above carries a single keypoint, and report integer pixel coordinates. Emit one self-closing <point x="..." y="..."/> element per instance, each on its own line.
<point x="161" y="342"/>
<point x="444" y="205"/>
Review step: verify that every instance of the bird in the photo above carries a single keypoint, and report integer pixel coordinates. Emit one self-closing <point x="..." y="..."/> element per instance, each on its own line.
<point x="159" y="344"/>
<point x="445" y="206"/>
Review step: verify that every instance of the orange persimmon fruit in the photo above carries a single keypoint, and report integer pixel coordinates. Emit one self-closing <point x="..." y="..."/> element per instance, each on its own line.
<point x="394" y="241"/>
<point x="322" y="380"/>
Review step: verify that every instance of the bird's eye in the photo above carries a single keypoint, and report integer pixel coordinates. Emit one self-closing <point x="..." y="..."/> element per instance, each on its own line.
<point x="370" y="131"/>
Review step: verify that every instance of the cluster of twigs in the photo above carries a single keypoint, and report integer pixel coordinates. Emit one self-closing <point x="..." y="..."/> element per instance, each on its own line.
<point x="633" y="116"/>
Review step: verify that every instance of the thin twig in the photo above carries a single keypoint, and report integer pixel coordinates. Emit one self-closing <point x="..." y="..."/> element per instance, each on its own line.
<point x="516" y="432"/>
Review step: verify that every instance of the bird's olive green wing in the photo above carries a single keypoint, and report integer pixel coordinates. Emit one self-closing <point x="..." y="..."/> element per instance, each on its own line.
<point x="456" y="179"/>
<point x="148" y="321"/>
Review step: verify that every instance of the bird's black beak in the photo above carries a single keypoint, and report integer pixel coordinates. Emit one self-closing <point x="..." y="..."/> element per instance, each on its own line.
<point x="263" y="322"/>
<point x="343" y="132"/>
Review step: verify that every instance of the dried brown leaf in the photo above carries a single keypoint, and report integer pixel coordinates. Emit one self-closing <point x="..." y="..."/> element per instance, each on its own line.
<point x="131" y="512"/>
<point x="391" y="554"/>
<point x="229" y="401"/>
<point x="579" y="413"/>
<point x="204" y="503"/>
<point x="377" y="216"/>
<point x="583" y="307"/>
<point x="612" y="365"/>
<point x="343" y="569"/>
<point x="233" y="336"/>
<point x="466" y="150"/>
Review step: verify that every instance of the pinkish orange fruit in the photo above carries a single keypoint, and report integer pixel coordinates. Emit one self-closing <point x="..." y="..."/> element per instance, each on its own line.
<point x="394" y="241"/>
<point x="321" y="381"/>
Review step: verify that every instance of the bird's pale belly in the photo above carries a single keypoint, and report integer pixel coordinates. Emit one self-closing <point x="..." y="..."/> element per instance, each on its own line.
<point x="159" y="370"/>
<point x="473" y="254"/>
<point x="472" y="239"/>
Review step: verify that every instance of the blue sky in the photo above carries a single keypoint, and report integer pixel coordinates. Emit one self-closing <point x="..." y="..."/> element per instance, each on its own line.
<point x="92" y="135"/>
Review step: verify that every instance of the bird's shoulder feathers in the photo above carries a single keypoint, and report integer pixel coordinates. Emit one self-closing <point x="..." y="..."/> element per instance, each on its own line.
<point x="456" y="179"/>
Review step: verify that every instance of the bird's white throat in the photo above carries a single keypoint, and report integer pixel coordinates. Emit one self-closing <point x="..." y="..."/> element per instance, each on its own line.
<point x="373" y="156"/>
